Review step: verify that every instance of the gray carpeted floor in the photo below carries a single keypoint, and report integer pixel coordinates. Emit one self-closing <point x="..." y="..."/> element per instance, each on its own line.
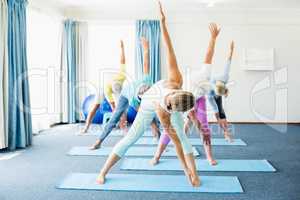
<point x="34" y="173"/>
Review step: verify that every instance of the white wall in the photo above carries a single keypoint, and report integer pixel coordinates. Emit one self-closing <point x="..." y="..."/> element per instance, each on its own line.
<point x="250" y="28"/>
<point x="190" y="39"/>
<point x="104" y="52"/>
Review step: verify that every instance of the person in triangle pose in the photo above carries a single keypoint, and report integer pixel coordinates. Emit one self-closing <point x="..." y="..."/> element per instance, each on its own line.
<point x="166" y="99"/>
<point x="203" y="86"/>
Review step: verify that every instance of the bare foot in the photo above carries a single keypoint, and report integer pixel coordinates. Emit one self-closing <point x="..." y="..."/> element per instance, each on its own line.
<point x="196" y="181"/>
<point x="154" y="161"/>
<point x="100" y="179"/>
<point x="212" y="162"/>
<point x="95" y="146"/>
<point x="188" y="175"/>
<point x="83" y="131"/>
<point x="193" y="179"/>
<point x="228" y="137"/>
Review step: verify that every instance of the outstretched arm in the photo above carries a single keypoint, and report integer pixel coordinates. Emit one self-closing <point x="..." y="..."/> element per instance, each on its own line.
<point x="228" y="63"/>
<point x="214" y="32"/>
<point x="90" y="117"/>
<point x="231" y="51"/>
<point x="121" y="76"/>
<point x="122" y="56"/>
<point x="145" y="45"/>
<point x="173" y="72"/>
<point x="224" y="77"/>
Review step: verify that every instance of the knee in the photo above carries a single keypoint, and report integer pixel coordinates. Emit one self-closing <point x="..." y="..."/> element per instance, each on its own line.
<point x="121" y="148"/>
<point x="205" y="127"/>
<point x="205" y="130"/>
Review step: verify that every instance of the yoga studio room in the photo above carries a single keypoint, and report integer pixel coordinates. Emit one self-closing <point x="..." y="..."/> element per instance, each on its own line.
<point x="149" y="99"/>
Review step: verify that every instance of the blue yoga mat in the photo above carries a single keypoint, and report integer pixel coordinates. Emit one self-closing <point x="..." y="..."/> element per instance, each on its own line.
<point x="151" y="183"/>
<point x="133" y="151"/>
<point x="196" y="141"/>
<point x="116" y="133"/>
<point x="202" y="165"/>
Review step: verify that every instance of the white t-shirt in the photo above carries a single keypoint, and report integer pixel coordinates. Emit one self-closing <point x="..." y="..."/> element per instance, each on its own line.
<point x="197" y="80"/>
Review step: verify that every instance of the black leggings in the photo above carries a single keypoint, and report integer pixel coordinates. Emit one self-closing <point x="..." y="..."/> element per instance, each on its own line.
<point x="219" y="103"/>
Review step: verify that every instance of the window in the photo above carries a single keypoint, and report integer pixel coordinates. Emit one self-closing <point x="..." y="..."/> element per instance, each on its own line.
<point x="44" y="52"/>
<point x="43" y="49"/>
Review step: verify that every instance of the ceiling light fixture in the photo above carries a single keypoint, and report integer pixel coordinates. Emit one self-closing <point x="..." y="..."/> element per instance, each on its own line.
<point x="210" y="4"/>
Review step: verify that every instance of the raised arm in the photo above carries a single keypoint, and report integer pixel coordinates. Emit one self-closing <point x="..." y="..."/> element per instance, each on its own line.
<point x="231" y="50"/>
<point x="122" y="56"/>
<point x="173" y="72"/>
<point x="225" y="75"/>
<point x="121" y="75"/>
<point x="145" y="45"/>
<point x="214" y="32"/>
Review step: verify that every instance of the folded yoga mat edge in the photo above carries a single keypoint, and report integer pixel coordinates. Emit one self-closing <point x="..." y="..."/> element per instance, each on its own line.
<point x="269" y="163"/>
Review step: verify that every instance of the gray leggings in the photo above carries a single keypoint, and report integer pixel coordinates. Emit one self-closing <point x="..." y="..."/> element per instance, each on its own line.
<point x="120" y="110"/>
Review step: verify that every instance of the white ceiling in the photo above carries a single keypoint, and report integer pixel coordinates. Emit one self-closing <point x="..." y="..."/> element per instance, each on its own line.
<point x="174" y="4"/>
<point x="148" y="8"/>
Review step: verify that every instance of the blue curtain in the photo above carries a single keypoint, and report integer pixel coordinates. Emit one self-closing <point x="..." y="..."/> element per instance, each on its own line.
<point x="70" y="48"/>
<point x="3" y="74"/>
<point x="19" y="116"/>
<point x="149" y="29"/>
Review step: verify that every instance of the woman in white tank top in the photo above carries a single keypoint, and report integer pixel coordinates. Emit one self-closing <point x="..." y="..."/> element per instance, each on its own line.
<point x="167" y="100"/>
<point x="198" y="82"/>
